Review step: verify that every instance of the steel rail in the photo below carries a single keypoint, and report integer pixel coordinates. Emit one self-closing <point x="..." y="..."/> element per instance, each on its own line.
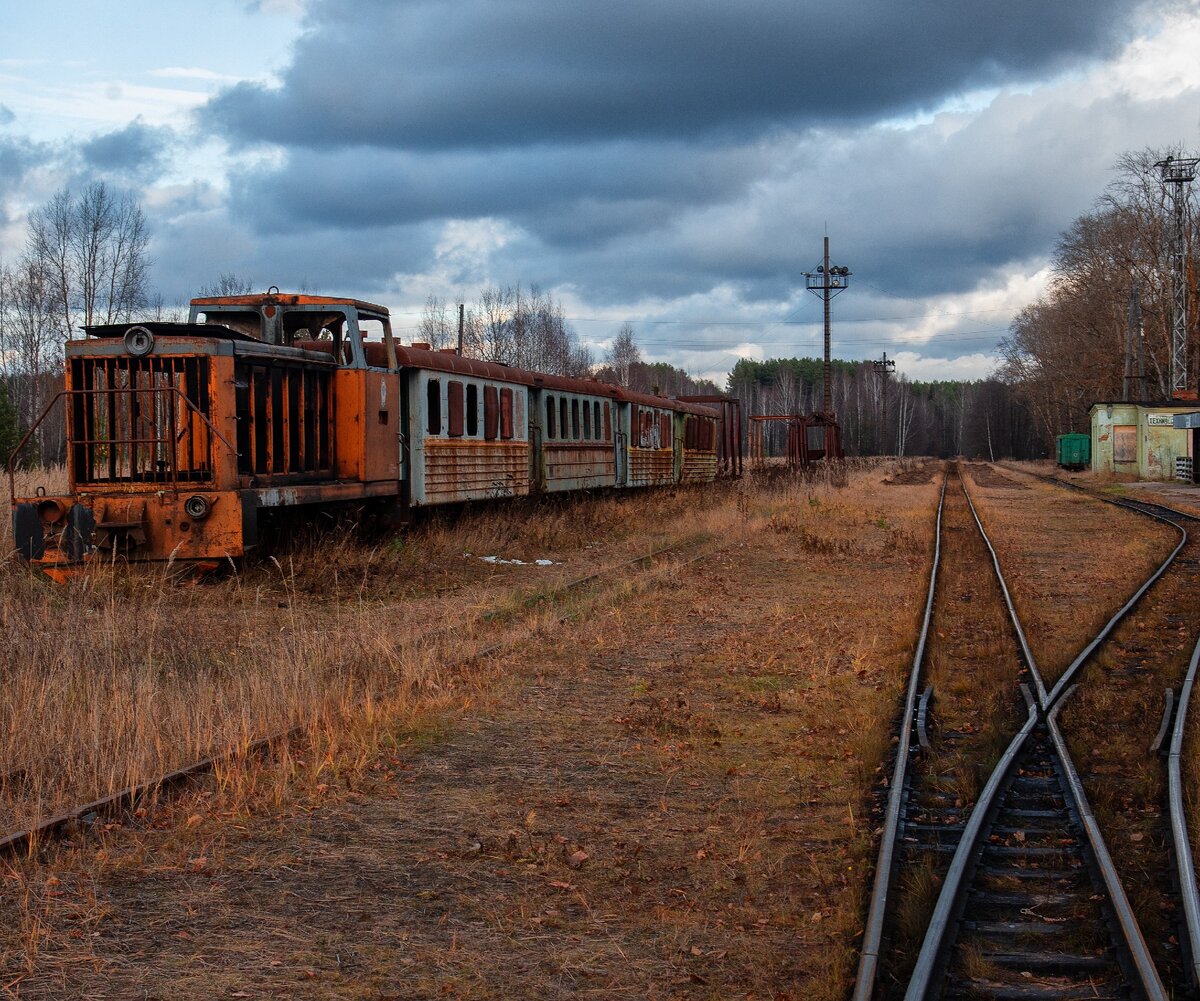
<point x="1073" y="668"/>
<point x="1131" y="932"/>
<point x="123" y="802"/>
<point x="868" y="960"/>
<point x="954" y="886"/>
<point x="1026" y="653"/>
<point x="1185" y="866"/>
<point x="929" y="960"/>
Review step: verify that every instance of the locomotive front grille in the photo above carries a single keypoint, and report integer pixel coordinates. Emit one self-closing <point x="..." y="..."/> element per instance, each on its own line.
<point x="139" y="420"/>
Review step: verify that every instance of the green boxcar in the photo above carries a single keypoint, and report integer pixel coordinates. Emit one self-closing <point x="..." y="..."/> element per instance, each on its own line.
<point x="1074" y="451"/>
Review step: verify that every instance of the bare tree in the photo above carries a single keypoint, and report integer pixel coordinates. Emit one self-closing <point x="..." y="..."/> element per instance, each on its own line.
<point x="436" y="327"/>
<point x="624" y="354"/>
<point x="91" y="250"/>
<point x="227" y="283"/>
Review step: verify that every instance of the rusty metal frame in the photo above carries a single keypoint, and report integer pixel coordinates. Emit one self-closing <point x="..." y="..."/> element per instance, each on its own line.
<point x="173" y="482"/>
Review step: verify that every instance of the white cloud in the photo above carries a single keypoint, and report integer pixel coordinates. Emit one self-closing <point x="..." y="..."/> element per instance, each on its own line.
<point x="924" y="368"/>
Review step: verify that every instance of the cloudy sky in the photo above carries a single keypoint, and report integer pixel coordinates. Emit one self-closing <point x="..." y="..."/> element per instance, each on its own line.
<point x="674" y="164"/>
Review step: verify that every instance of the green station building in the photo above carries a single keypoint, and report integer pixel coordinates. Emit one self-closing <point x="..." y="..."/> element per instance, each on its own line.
<point x="1141" y="439"/>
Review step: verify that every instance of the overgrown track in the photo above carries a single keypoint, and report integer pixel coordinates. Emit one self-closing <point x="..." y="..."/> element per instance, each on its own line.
<point x="1029" y="904"/>
<point x="122" y="804"/>
<point x="1170" y="611"/>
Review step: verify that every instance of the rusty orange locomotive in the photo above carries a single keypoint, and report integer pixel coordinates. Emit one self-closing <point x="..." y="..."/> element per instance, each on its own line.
<point x="180" y="435"/>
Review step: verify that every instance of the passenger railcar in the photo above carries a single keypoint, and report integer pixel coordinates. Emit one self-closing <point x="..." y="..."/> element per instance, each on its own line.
<point x="179" y="435"/>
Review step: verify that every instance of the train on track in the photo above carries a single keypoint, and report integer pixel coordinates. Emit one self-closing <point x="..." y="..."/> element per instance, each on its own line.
<point x="181" y="435"/>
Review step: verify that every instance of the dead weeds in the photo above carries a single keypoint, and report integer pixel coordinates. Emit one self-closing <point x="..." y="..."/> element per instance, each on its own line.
<point x="662" y="797"/>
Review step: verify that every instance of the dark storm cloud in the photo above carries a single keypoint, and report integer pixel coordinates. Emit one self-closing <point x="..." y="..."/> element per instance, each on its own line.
<point x="567" y="194"/>
<point x="135" y="151"/>
<point x="475" y="73"/>
<point x="19" y="156"/>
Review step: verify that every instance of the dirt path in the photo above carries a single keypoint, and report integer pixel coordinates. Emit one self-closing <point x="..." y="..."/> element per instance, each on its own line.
<point x="664" y="802"/>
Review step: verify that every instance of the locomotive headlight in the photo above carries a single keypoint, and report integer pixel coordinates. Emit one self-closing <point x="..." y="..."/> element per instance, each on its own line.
<point x="197" y="507"/>
<point x="50" y="511"/>
<point x="139" y="341"/>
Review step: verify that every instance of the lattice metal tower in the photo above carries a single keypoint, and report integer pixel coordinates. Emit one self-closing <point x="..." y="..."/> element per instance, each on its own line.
<point x="1178" y="173"/>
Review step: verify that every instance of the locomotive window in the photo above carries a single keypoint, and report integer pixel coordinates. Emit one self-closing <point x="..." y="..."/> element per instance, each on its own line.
<point x="433" y="404"/>
<point x="374" y="341"/>
<point x="575" y="419"/>
<point x="506" y="414"/>
<point x="454" y="405"/>
<point x="491" y="412"/>
<point x="587" y="419"/>
<point x="473" y="410"/>
<point x="549" y="417"/>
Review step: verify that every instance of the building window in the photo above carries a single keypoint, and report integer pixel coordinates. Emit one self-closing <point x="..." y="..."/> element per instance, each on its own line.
<point x="491" y="413"/>
<point x="1125" y="443"/>
<point x="433" y="406"/>
<point x="473" y="410"/>
<point x="454" y="404"/>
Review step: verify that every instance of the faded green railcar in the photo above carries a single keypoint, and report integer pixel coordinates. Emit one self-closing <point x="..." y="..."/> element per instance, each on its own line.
<point x="1074" y="451"/>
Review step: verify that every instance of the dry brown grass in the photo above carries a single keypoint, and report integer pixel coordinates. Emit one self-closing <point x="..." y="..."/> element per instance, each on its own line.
<point x="797" y="674"/>
<point x="1070" y="560"/>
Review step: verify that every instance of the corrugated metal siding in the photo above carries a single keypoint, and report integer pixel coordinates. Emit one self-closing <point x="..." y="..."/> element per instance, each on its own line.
<point x="698" y="467"/>
<point x="651" y="466"/>
<point x="579" y="466"/>
<point x="473" y="470"/>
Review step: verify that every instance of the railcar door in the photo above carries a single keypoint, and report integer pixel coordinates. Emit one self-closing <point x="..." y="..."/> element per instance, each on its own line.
<point x="621" y="457"/>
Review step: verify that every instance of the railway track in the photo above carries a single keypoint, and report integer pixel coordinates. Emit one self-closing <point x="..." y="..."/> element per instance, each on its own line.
<point x="1029" y="903"/>
<point x="122" y="804"/>
<point x="1171" y="843"/>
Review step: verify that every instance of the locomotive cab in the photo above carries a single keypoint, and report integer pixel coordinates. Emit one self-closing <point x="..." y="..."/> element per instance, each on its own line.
<point x="179" y="434"/>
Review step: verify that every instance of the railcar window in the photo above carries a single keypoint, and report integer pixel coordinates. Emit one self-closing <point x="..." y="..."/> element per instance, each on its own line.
<point x="491" y="413"/>
<point x="562" y="418"/>
<point x="575" y="420"/>
<point x="664" y="431"/>
<point x="587" y="419"/>
<point x="608" y="422"/>
<point x="506" y="414"/>
<point x="454" y="404"/>
<point x="473" y="410"/>
<point x="433" y="404"/>
<point x="596" y="418"/>
<point x="549" y="417"/>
